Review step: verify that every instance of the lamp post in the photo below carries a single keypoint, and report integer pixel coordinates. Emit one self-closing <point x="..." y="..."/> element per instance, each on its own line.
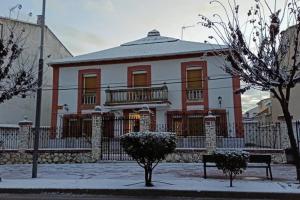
<point x="39" y="97"/>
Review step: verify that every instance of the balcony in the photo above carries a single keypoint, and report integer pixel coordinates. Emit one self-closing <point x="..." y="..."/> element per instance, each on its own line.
<point x="89" y="99"/>
<point x="194" y="95"/>
<point x="136" y="96"/>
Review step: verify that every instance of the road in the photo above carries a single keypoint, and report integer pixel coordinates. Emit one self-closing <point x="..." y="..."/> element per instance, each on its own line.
<point x="91" y="197"/>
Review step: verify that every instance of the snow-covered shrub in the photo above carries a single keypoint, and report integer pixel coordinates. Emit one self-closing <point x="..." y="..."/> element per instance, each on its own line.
<point x="148" y="149"/>
<point x="231" y="162"/>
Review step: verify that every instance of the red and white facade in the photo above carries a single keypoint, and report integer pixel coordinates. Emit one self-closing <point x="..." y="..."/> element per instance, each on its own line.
<point x="179" y="81"/>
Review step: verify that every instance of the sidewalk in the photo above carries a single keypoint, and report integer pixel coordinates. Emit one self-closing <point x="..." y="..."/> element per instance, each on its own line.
<point x="127" y="178"/>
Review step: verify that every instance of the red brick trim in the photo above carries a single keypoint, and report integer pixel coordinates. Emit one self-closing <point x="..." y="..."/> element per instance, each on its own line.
<point x="81" y="73"/>
<point x="54" y="101"/>
<point x="184" y="67"/>
<point x="132" y="69"/>
<point x="237" y="103"/>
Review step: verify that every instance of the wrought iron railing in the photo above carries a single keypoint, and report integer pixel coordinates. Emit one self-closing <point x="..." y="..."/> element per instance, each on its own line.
<point x="136" y="95"/>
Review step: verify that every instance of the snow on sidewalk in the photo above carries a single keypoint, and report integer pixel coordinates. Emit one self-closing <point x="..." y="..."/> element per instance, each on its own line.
<point x="122" y="175"/>
<point x="178" y="184"/>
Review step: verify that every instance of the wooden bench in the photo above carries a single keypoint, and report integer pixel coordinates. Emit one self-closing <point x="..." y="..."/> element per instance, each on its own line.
<point x="259" y="161"/>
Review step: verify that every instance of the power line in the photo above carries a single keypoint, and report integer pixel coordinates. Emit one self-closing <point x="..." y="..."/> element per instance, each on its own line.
<point x="152" y="84"/>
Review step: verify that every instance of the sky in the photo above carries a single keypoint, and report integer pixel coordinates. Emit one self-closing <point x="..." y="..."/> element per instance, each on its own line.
<point x="91" y="25"/>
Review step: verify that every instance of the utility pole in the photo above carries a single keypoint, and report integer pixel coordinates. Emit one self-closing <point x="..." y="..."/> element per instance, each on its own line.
<point x="39" y="97"/>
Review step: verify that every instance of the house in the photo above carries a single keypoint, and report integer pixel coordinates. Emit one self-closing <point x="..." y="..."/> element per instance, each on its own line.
<point x="180" y="81"/>
<point x="262" y="113"/>
<point x="14" y="110"/>
<point x="250" y="115"/>
<point x="294" y="107"/>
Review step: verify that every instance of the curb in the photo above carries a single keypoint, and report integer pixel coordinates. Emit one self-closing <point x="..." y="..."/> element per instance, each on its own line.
<point x="157" y="192"/>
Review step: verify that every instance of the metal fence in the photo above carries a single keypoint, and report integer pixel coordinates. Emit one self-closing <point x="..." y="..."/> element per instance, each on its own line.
<point x="247" y="135"/>
<point x="9" y="140"/>
<point x="78" y="136"/>
<point x="48" y="142"/>
<point x="9" y="137"/>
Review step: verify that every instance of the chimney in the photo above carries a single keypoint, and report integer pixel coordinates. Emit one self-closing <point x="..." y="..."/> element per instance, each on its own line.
<point x="39" y="19"/>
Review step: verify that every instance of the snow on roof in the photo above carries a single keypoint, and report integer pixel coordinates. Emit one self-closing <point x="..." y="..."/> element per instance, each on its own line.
<point x="153" y="45"/>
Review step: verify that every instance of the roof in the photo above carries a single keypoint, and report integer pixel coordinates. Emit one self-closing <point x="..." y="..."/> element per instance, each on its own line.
<point x="153" y="45"/>
<point x="37" y="25"/>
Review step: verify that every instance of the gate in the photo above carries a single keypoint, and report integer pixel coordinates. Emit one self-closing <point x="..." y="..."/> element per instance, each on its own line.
<point x="112" y="130"/>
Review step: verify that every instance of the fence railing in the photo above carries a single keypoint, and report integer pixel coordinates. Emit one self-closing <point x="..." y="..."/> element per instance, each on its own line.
<point x="246" y="135"/>
<point x="9" y="137"/>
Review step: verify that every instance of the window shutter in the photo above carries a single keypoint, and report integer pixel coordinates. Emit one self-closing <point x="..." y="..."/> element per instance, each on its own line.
<point x="140" y="80"/>
<point x="90" y="84"/>
<point x="194" y="79"/>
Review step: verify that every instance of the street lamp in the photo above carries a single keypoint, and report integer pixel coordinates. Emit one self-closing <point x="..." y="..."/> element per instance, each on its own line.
<point x="220" y="101"/>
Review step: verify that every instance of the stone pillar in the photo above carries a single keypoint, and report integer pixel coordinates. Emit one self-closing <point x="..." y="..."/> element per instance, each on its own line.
<point x="145" y="119"/>
<point x="210" y="133"/>
<point x="284" y="137"/>
<point x="96" y="134"/>
<point x="25" y="127"/>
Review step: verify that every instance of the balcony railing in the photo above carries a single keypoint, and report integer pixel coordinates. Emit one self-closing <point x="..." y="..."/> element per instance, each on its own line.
<point x="136" y="95"/>
<point x="194" y="95"/>
<point x="89" y="99"/>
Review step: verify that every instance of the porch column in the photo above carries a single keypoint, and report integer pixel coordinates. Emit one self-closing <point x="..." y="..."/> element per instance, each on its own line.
<point x="96" y="134"/>
<point x="25" y="127"/>
<point x="145" y="119"/>
<point x="210" y="133"/>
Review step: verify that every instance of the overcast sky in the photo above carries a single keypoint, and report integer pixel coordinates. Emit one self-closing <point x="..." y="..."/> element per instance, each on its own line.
<point x="91" y="25"/>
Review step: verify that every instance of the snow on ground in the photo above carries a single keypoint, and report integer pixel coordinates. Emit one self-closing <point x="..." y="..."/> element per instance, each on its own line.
<point x="128" y="175"/>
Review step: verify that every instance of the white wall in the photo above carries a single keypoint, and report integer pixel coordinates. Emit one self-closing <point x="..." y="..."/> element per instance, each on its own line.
<point x="161" y="71"/>
<point x="14" y="110"/>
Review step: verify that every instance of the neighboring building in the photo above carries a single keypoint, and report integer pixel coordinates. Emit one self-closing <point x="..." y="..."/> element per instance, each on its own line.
<point x="295" y="92"/>
<point x="250" y="115"/>
<point x="262" y="113"/>
<point x="14" y="110"/>
<point x="180" y="81"/>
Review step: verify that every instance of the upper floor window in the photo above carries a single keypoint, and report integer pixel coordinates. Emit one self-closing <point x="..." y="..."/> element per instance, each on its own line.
<point x="89" y="88"/>
<point x="139" y="79"/>
<point x="194" y="83"/>
<point x="89" y="84"/>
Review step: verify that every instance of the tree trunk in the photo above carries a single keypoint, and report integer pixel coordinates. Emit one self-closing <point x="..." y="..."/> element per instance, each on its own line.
<point x="294" y="146"/>
<point x="148" y="176"/>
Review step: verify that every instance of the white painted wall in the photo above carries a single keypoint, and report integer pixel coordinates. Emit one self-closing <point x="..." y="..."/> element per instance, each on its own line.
<point x="115" y="75"/>
<point x="14" y="110"/>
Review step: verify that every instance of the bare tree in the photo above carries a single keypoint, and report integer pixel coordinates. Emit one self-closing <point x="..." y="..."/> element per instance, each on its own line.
<point x="261" y="51"/>
<point x="17" y="76"/>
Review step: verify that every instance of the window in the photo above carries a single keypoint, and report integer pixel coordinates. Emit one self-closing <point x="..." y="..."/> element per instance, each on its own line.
<point x="195" y="126"/>
<point x="194" y="84"/>
<point x="177" y="126"/>
<point x="139" y="79"/>
<point x="89" y="88"/>
<point x="194" y="78"/>
<point x="77" y="126"/>
<point x="134" y="119"/>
